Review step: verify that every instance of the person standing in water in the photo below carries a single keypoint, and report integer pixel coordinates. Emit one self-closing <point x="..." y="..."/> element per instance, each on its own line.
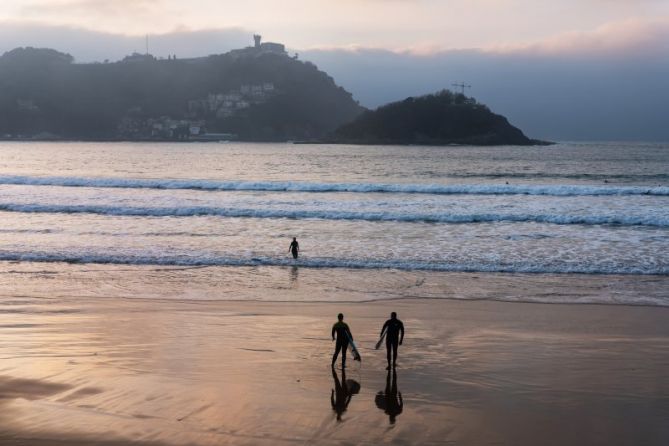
<point x="394" y="330"/>
<point x="343" y="335"/>
<point x="294" y="248"/>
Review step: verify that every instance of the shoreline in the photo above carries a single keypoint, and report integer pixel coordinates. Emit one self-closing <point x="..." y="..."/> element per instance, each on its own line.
<point x="533" y="142"/>
<point x="295" y="284"/>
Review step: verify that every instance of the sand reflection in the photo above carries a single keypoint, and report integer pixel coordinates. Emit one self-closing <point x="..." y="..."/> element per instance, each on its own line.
<point x="390" y="399"/>
<point x="343" y="391"/>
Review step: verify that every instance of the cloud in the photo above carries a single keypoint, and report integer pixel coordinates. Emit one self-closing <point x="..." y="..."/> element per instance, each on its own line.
<point x="118" y="16"/>
<point x="91" y="7"/>
<point x="91" y="46"/>
<point x="623" y="36"/>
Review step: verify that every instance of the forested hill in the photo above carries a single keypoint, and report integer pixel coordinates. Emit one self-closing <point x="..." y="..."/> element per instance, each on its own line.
<point x="441" y="118"/>
<point x="253" y="94"/>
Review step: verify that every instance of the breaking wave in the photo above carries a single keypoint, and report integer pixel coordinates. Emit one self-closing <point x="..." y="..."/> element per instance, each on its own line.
<point x="192" y="260"/>
<point x="297" y="186"/>
<point x="190" y="211"/>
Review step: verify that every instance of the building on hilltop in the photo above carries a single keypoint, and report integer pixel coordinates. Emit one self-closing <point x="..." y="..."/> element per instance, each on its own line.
<point x="271" y="47"/>
<point x="260" y="48"/>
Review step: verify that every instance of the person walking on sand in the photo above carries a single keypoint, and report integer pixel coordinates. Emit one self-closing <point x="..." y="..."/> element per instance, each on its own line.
<point x="394" y="332"/>
<point x="340" y="328"/>
<point x="294" y="248"/>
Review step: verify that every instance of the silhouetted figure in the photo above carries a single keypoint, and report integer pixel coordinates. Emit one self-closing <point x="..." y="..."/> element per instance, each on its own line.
<point x="340" y="328"/>
<point x="341" y="395"/>
<point x="394" y="329"/>
<point x="294" y="248"/>
<point x="390" y="400"/>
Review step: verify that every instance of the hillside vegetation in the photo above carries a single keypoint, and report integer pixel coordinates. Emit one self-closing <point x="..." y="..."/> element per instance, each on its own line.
<point x="441" y="118"/>
<point x="254" y="95"/>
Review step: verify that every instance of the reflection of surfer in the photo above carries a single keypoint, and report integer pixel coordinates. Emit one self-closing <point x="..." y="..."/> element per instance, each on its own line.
<point x="294" y="247"/>
<point x="390" y="401"/>
<point x="341" y="395"/>
<point x="343" y="335"/>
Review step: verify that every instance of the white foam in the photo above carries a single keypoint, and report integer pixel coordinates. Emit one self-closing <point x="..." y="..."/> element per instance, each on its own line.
<point x="297" y="186"/>
<point x="190" y="211"/>
<point x="190" y="260"/>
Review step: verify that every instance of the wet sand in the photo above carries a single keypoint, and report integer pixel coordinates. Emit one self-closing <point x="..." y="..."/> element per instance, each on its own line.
<point x="119" y="371"/>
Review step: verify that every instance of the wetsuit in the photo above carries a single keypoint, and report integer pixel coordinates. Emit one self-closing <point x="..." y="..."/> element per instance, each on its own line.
<point x="341" y="329"/>
<point x="394" y="327"/>
<point x="294" y="248"/>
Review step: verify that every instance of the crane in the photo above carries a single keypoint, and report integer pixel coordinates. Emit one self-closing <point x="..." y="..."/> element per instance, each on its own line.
<point x="462" y="87"/>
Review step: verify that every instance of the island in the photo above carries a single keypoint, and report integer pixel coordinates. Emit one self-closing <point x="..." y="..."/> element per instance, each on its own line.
<point x="434" y="119"/>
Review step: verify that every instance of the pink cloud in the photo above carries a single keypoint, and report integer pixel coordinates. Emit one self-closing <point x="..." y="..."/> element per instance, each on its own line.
<point x="624" y="37"/>
<point x="618" y="37"/>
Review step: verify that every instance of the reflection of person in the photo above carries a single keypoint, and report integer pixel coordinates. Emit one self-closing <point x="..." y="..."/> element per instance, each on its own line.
<point x="343" y="335"/>
<point x="293" y="275"/>
<point x="394" y="329"/>
<point x="340" y="395"/>
<point x="294" y="247"/>
<point x="390" y="400"/>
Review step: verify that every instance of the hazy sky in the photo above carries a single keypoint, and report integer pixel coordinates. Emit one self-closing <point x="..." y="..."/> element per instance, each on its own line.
<point x="390" y="24"/>
<point x="559" y="69"/>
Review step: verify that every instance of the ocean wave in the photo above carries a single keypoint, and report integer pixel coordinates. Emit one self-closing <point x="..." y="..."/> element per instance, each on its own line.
<point x="298" y="186"/>
<point x="190" y="211"/>
<point x="407" y="265"/>
<point x="567" y="176"/>
<point x="27" y="231"/>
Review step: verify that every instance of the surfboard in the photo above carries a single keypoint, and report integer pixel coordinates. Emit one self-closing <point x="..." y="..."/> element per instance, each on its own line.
<point x="354" y="349"/>
<point x="383" y="336"/>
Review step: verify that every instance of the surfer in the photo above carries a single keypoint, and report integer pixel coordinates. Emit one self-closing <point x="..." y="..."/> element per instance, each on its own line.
<point x="343" y="336"/>
<point x="294" y="247"/>
<point x="393" y="330"/>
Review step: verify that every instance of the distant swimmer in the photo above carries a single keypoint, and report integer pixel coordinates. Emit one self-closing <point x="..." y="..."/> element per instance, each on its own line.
<point x="393" y="330"/>
<point x="340" y="328"/>
<point x="294" y="248"/>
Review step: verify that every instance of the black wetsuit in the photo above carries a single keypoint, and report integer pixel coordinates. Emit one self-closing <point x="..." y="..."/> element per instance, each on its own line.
<point x="294" y="248"/>
<point x="342" y="330"/>
<point x="394" y="327"/>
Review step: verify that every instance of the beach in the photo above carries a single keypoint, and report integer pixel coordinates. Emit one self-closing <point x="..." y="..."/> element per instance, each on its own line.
<point x="91" y="370"/>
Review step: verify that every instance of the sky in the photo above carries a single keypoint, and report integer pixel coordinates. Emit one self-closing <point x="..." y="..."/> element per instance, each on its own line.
<point x="559" y="69"/>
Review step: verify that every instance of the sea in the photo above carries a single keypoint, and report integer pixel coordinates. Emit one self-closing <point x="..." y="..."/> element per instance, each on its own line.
<point x="565" y="223"/>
